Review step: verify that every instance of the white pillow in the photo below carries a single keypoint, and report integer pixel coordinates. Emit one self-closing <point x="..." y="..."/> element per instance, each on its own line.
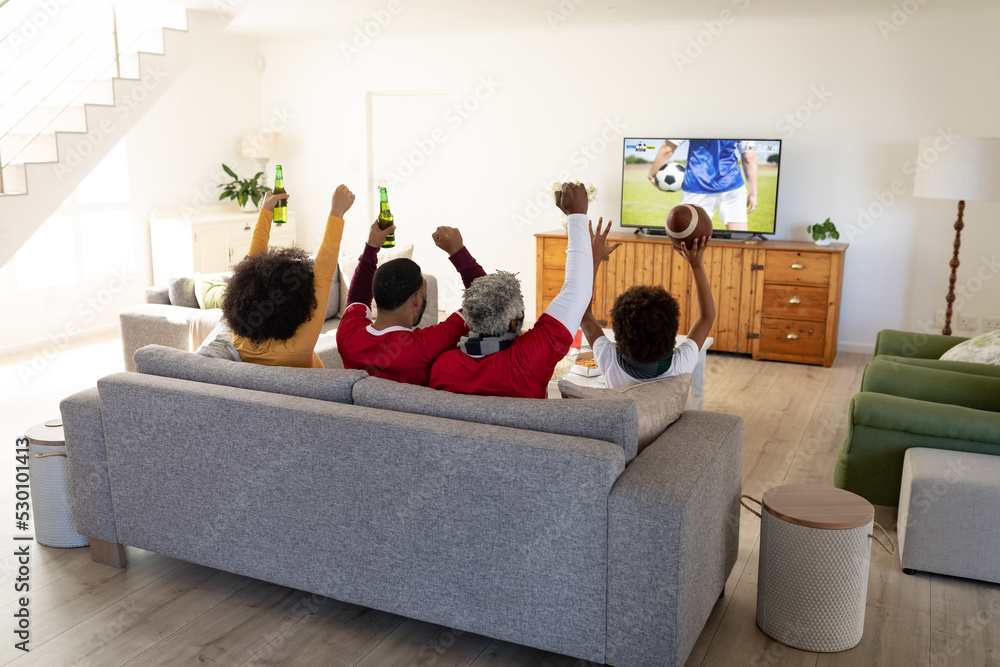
<point x="984" y="349"/>
<point x="348" y="263"/>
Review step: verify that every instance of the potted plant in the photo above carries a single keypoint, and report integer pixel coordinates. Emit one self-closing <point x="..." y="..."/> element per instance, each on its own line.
<point x="244" y="190"/>
<point x="822" y="232"/>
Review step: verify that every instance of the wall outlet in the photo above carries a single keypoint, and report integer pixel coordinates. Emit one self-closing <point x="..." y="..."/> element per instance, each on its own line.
<point x="968" y="322"/>
<point x="939" y="318"/>
<point x="991" y="322"/>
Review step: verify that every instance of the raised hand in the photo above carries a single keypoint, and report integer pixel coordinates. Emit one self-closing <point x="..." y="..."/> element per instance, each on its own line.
<point x="693" y="255"/>
<point x="598" y="241"/>
<point x="572" y="198"/>
<point x="271" y="199"/>
<point x="342" y="200"/>
<point x="448" y="239"/>
<point x="376" y="236"/>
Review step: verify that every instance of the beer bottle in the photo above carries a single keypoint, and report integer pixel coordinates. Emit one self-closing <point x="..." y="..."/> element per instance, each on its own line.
<point x="385" y="217"/>
<point x="280" y="208"/>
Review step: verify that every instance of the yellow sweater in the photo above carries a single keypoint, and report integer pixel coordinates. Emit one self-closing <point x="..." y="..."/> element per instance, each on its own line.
<point x="297" y="350"/>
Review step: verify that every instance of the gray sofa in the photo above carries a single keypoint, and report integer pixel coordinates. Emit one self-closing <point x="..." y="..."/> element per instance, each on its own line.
<point x="532" y="521"/>
<point x="171" y="317"/>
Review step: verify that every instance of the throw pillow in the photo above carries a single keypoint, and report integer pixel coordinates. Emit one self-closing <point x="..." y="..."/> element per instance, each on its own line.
<point x="984" y="349"/>
<point x="209" y="289"/>
<point x="659" y="403"/>
<point x="181" y="292"/>
<point x="349" y="263"/>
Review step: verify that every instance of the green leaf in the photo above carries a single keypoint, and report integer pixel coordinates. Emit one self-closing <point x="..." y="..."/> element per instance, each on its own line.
<point x="257" y="175"/>
<point x="224" y="196"/>
<point x="255" y="197"/>
<point x="835" y="234"/>
<point x="230" y="172"/>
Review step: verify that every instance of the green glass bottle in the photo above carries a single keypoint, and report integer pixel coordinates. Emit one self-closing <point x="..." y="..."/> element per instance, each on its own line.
<point x="385" y="217"/>
<point x="281" y="208"/>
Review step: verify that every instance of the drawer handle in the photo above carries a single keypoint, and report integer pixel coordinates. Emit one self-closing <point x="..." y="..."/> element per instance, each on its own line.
<point x="795" y="299"/>
<point x="798" y="265"/>
<point x="247" y="228"/>
<point x="792" y="336"/>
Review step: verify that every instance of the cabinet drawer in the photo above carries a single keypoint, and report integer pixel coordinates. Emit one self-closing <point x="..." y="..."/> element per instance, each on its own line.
<point x="554" y="253"/>
<point x="795" y="302"/>
<point x="790" y="266"/>
<point x="791" y="338"/>
<point x="552" y="282"/>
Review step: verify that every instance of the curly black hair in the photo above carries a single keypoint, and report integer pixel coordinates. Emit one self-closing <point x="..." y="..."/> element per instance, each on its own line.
<point x="270" y="294"/>
<point x="645" y="319"/>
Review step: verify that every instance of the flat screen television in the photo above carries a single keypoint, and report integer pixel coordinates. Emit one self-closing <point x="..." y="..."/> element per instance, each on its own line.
<point x="716" y="174"/>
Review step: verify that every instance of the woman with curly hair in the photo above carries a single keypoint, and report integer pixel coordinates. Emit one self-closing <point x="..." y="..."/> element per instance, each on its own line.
<point x="275" y="301"/>
<point x="644" y="319"/>
<point x="496" y="359"/>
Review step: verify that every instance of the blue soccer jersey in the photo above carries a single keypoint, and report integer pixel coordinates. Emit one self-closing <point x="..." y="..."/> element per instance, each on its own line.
<point x="713" y="165"/>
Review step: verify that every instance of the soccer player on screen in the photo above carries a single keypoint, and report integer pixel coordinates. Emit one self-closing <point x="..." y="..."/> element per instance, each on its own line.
<point x="713" y="178"/>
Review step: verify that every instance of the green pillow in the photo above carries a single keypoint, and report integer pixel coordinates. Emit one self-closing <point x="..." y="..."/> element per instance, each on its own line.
<point x="209" y="290"/>
<point x="983" y="349"/>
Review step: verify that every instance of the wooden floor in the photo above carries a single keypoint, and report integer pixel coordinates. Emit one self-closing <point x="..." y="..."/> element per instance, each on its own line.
<point x="162" y="611"/>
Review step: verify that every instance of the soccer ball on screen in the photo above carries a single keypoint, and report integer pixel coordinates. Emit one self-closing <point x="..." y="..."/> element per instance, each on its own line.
<point x="670" y="177"/>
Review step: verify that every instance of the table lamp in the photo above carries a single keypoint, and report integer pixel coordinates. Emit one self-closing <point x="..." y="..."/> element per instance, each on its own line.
<point x="968" y="168"/>
<point x="263" y="146"/>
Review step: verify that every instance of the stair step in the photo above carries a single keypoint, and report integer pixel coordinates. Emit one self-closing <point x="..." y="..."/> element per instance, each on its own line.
<point x="41" y="149"/>
<point x="48" y="119"/>
<point x="13" y="180"/>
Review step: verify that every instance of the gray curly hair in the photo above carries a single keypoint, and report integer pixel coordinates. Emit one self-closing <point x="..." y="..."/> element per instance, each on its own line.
<point x="491" y="302"/>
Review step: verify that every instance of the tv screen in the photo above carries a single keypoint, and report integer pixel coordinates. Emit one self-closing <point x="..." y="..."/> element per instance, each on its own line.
<point x="720" y="175"/>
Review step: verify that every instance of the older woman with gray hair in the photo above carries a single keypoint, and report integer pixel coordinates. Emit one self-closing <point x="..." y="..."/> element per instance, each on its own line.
<point x="496" y="359"/>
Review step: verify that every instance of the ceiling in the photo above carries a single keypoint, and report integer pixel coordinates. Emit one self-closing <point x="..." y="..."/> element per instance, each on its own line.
<point x="337" y="18"/>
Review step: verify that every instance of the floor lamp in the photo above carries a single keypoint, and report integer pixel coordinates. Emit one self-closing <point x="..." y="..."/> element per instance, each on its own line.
<point x="962" y="168"/>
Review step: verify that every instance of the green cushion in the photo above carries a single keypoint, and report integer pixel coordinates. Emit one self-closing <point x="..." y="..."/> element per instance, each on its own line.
<point x="957" y="366"/>
<point x="209" y="290"/>
<point x="914" y="344"/>
<point x="936" y="385"/>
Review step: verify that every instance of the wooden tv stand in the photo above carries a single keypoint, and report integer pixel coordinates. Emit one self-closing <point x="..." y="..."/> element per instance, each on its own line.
<point x="777" y="300"/>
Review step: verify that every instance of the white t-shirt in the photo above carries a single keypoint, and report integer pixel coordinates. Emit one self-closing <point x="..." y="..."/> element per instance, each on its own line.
<point x="684" y="360"/>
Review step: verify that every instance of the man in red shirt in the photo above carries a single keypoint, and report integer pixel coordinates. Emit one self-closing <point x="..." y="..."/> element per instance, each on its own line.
<point x="496" y="359"/>
<point x="390" y="347"/>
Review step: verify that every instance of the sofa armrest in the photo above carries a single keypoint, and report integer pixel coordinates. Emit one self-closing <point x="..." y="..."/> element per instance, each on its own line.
<point x="914" y="344"/>
<point x="935" y="385"/>
<point x="158" y="294"/>
<point x="673" y="537"/>
<point x="925" y="418"/>
<point x="431" y="312"/>
<point x="88" y="465"/>
<point x="173" y="326"/>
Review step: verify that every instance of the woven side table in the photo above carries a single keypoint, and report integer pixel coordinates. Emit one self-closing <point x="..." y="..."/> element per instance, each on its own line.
<point x="812" y="584"/>
<point x="51" y="503"/>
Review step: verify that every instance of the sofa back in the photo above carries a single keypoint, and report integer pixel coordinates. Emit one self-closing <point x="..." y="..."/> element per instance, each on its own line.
<point x="614" y="421"/>
<point x="320" y="383"/>
<point x="473" y="526"/>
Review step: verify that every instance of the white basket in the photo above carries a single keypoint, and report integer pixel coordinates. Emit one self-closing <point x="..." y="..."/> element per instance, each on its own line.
<point x="51" y="504"/>
<point x="812" y="584"/>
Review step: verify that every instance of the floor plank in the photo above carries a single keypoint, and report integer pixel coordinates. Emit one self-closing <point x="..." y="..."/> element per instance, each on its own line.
<point x="417" y="644"/>
<point x="504" y="654"/>
<point x="965" y="622"/>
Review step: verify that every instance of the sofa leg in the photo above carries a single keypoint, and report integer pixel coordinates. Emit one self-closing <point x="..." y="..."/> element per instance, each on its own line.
<point x="107" y="553"/>
<point x="907" y="570"/>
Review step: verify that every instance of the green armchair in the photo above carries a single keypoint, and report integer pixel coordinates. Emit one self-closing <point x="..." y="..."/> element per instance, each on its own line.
<point x="910" y="398"/>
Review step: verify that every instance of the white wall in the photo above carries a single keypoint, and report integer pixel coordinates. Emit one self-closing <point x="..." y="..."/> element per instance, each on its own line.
<point x="174" y="155"/>
<point x="557" y="90"/>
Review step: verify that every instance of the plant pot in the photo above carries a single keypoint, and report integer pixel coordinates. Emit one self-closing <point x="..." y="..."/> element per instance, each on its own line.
<point x="826" y="240"/>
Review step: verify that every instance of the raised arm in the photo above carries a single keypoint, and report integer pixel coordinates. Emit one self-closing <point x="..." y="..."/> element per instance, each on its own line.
<point x="360" y="290"/>
<point x="262" y="231"/>
<point x="450" y="240"/>
<point x="571" y="302"/>
<point x="591" y="327"/>
<point x="749" y="160"/>
<point x="706" y="304"/>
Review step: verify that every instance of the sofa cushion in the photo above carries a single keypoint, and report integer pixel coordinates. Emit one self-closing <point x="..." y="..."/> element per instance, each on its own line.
<point x="181" y="292"/>
<point x="610" y="421"/>
<point x="210" y="288"/>
<point x="658" y="404"/>
<point x="322" y="383"/>
<point x="984" y="349"/>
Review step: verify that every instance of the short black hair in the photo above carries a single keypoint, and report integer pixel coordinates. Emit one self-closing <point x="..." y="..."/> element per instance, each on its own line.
<point x="395" y="282"/>
<point x="645" y="319"/>
<point x="270" y="294"/>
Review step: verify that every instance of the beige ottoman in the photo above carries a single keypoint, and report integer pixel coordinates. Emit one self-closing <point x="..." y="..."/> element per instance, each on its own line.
<point x="949" y="514"/>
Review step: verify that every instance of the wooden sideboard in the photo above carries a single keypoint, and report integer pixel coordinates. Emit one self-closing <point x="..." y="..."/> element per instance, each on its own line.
<point x="777" y="300"/>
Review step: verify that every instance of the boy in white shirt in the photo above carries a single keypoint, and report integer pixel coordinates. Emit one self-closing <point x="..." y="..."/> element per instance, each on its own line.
<point x="644" y="319"/>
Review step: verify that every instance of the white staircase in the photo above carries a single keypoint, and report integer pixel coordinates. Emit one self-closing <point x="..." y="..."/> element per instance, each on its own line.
<point x="75" y="77"/>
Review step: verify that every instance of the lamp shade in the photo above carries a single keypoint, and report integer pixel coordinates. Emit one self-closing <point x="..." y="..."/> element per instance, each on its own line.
<point x="262" y="145"/>
<point x="966" y="168"/>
